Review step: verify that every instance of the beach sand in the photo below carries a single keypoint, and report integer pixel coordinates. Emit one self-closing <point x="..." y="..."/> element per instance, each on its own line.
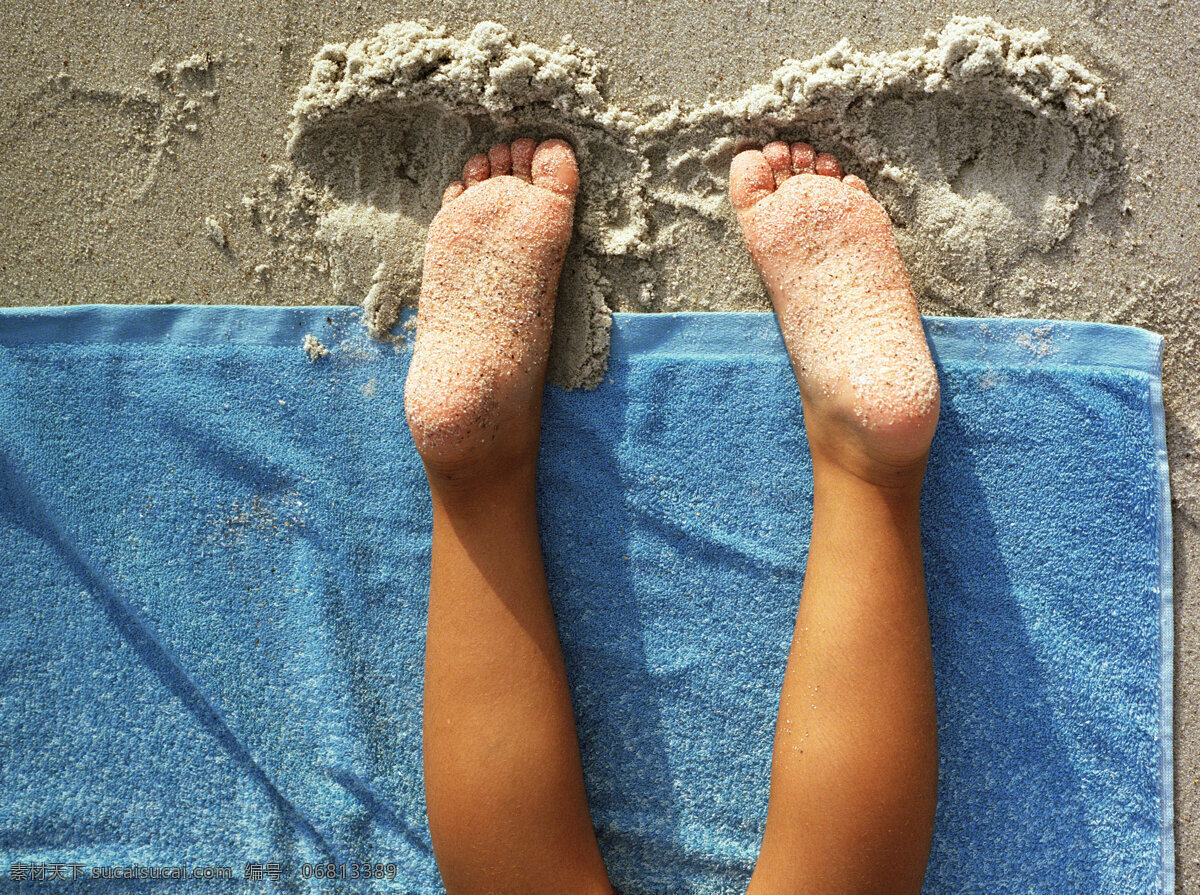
<point x="1036" y="165"/>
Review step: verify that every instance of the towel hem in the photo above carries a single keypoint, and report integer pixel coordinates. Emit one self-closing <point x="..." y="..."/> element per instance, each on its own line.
<point x="746" y="335"/>
<point x="1166" y="585"/>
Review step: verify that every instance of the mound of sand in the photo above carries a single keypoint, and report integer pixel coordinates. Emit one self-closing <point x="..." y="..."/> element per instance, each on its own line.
<point x="981" y="144"/>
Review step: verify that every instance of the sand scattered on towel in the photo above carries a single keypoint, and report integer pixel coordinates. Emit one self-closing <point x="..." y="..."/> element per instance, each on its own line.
<point x="314" y="349"/>
<point x="982" y="145"/>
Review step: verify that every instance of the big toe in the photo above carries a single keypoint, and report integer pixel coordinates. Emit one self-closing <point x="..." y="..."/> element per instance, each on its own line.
<point x="751" y="179"/>
<point x="554" y="168"/>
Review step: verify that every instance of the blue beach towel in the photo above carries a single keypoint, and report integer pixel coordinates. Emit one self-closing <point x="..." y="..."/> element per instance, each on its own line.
<point x="215" y="557"/>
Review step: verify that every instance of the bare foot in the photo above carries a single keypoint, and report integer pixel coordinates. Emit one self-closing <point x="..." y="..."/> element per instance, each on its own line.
<point x="846" y="308"/>
<point x="495" y="250"/>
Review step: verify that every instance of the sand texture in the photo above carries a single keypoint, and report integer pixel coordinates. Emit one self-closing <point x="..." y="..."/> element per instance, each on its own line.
<point x="982" y="144"/>
<point x="1037" y="161"/>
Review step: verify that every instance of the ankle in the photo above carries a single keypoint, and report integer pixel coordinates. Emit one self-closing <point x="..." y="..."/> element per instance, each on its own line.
<point x="863" y="442"/>
<point x="467" y="487"/>
<point x="855" y="470"/>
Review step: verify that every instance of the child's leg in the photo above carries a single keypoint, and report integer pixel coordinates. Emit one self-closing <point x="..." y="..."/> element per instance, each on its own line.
<point x="503" y="778"/>
<point x="854" y="772"/>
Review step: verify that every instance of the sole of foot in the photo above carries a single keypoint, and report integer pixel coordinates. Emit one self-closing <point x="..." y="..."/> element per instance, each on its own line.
<point x="486" y="311"/>
<point x="827" y="254"/>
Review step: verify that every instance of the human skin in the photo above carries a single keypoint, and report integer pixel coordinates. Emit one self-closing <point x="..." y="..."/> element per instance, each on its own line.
<point x="854" y="770"/>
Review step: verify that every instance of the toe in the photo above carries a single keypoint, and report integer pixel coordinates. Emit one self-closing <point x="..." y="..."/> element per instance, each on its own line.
<point x="453" y="191"/>
<point x="857" y="182"/>
<point x="522" y="158"/>
<point x="828" y="165"/>
<point x="476" y="170"/>
<point x="803" y="158"/>
<point x="750" y="179"/>
<point x="779" y="157"/>
<point x="554" y="168"/>
<point x="500" y="159"/>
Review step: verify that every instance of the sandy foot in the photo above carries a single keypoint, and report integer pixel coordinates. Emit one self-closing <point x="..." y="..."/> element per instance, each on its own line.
<point x="495" y="250"/>
<point x="826" y="251"/>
